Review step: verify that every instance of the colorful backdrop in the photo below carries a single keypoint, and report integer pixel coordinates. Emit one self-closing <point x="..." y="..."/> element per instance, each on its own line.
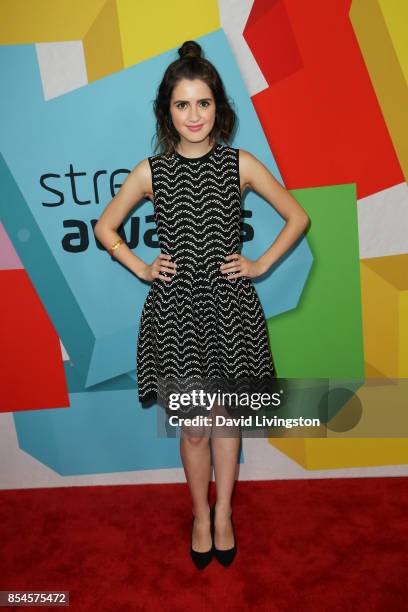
<point x="321" y="94"/>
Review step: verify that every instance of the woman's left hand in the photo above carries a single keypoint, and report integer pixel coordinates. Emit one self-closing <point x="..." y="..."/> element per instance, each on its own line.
<point x="241" y="266"/>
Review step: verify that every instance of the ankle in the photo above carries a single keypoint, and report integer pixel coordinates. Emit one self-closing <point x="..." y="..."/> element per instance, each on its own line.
<point x="223" y="509"/>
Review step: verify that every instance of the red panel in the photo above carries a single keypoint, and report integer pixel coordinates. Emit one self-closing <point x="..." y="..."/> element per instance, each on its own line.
<point x="323" y="121"/>
<point x="31" y="366"/>
<point x="277" y="53"/>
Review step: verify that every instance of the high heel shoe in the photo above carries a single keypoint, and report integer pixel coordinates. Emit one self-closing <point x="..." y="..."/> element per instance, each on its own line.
<point x="225" y="557"/>
<point x="202" y="559"/>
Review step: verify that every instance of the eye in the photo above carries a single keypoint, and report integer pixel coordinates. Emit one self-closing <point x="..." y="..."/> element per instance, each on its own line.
<point x="182" y="105"/>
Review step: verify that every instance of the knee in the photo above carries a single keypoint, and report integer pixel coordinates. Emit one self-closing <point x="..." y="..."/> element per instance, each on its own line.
<point x="197" y="439"/>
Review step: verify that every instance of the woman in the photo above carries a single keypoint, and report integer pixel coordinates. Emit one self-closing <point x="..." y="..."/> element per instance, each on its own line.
<point x="202" y="317"/>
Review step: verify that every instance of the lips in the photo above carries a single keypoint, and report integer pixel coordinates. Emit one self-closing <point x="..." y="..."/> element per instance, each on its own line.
<point x="194" y="128"/>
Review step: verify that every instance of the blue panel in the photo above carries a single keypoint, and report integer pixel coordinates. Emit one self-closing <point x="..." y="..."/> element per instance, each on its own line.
<point x="103" y="430"/>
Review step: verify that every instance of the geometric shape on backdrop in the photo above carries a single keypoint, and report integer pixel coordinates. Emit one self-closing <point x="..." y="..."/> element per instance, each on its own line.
<point x="323" y="336"/>
<point x="149" y="29"/>
<point x="103" y="43"/>
<point x="9" y="260"/>
<point x="46" y="21"/>
<point x="275" y="50"/>
<point x="62" y="67"/>
<point x="381" y="30"/>
<point x="396" y="19"/>
<point x="31" y="367"/>
<point x="343" y="453"/>
<point x="378" y="409"/>
<point x="383" y="222"/>
<point x="323" y="121"/>
<point x="56" y="183"/>
<point x="384" y="282"/>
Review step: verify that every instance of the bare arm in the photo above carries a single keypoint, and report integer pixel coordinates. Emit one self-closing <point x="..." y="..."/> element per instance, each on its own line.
<point x="255" y="175"/>
<point x="137" y="185"/>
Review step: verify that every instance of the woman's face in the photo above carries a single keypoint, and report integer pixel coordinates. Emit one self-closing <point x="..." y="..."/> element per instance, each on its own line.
<point x="192" y="106"/>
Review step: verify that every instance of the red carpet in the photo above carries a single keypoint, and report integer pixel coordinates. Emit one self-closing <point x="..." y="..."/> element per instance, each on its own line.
<point x="333" y="544"/>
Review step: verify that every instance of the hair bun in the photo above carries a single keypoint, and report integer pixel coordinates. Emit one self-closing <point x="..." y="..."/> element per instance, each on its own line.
<point x="189" y="49"/>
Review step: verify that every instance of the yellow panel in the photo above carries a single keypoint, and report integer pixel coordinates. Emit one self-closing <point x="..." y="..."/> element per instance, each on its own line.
<point x="102" y="44"/>
<point x="393" y="268"/>
<point x="385" y="71"/>
<point x="380" y="305"/>
<point x="377" y="409"/>
<point x="35" y="21"/>
<point x="353" y="442"/>
<point x="331" y="454"/>
<point x="371" y="372"/>
<point x="365" y="452"/>
<point x="151" y="28"/>
<point x="295" y="449"/>
<point x="395" y="13"/>
<point x="403" y="335"/>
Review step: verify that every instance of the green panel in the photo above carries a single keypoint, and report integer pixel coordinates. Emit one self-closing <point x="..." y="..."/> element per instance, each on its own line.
<point x="322" y="337"/>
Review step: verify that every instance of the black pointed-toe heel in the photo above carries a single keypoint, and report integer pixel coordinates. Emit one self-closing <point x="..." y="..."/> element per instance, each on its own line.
<point x="201" y="559"/>
<point x="225" y="557"/>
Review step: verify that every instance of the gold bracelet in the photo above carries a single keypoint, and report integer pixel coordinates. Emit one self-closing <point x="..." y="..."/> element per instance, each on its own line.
<point x="115" y="246"/>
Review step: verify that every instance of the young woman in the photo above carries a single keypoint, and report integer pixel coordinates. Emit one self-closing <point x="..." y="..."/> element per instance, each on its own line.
<point x="202" y="316"/>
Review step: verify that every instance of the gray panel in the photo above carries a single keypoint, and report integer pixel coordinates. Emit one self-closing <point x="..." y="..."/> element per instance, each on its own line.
<point x="62" y="67"/>
<point x="383" y="222"/>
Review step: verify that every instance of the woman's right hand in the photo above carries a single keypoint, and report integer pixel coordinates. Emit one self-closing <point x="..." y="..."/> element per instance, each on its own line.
<point x="162" y="263"/>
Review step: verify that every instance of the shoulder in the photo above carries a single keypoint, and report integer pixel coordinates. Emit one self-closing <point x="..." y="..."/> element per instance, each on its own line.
<point x="141" y="173"/>
<point x="248" y="164"/>
<point x="142" y="168"/>
<point x="245" y="157"/>
<point x="147" y="165"/>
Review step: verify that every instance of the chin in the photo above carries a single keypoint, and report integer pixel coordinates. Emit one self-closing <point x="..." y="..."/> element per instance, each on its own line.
<point x="196" y="136"/>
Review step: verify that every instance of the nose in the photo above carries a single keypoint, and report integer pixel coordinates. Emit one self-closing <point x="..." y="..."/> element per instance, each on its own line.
<point x="194" y="115"/>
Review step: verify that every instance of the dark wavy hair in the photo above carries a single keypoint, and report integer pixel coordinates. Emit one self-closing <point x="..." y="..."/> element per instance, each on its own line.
<point x="191" y="65"/>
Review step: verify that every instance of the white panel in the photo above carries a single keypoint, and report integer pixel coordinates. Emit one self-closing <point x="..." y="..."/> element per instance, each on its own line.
<point x="383" y="222"/>
<point x="62" y="67"/>
<point x="64" y="353"/>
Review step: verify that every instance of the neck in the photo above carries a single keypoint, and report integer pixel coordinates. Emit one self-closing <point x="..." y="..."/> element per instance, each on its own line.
<point x="198" y="149"/>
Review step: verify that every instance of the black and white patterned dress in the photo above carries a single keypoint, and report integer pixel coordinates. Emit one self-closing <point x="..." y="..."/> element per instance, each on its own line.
<point x="200" y="325"/>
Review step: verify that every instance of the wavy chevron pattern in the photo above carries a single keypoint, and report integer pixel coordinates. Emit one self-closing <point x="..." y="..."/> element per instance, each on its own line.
<point x="200" y="325"/>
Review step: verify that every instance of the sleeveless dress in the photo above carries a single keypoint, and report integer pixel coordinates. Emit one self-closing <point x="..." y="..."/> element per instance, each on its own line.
<point x="200" y="325"/>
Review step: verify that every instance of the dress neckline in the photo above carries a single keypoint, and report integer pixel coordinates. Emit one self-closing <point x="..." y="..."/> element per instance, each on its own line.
<point x="201" y="157"/>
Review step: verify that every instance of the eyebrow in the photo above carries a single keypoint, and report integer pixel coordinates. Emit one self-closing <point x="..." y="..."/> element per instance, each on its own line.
<point x="186" y="101"/>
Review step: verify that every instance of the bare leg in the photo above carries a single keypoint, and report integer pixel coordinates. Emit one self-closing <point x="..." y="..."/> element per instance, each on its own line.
<point x="196" y="458"/>
<point x="225" y="447"/>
